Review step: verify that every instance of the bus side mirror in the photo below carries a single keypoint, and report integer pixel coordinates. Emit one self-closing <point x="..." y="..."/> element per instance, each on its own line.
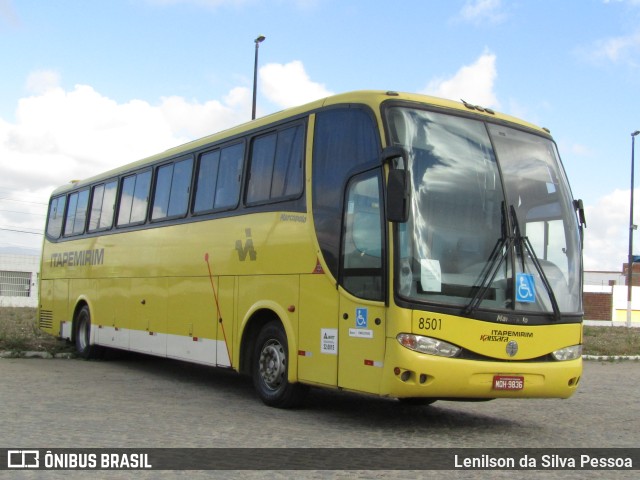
<point x="398" y="192"/>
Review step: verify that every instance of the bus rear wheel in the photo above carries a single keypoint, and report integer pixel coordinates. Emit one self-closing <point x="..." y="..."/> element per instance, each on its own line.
<point x="83" y="335"/>
<point x="270" y="369"/>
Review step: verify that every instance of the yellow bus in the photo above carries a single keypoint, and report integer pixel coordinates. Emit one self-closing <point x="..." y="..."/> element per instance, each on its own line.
<point x="377" y="242"/>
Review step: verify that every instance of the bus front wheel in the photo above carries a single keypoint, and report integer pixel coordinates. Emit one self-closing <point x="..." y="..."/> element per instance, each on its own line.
<point x="270" y="369"/>
<point x="83" y="335"/>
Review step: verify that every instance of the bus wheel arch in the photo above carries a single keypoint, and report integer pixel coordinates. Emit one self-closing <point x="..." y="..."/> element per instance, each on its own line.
<point x="255" y="321"/>
<point x="250" y="333"/>
<point x="265" y="356"/>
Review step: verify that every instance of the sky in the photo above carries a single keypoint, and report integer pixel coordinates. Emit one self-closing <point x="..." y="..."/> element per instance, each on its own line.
<point x="86" y="86"/>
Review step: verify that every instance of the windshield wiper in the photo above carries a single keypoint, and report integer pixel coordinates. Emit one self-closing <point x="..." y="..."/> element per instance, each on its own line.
<point x="503" y="246"/>
<point x="525" y="246"/>
<point x="492" y="266"/>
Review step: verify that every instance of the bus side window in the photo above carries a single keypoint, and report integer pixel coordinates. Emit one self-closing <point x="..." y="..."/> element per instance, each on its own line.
<point x="362" y="242"/>
<point x="172" y="190"/>
<point x="102" y="206"/>
<point x="345" y="141"/>
<point x="134" y="198"/>
<point x="218" y="182"/>
<point x="261" y="169"/>
<point x="56" y="214"/>
<point x="77" y="213"/>
<point x="275" y="171"/>
<point x="228" y="188"/>
<point x="287" y="171"/>
<point x="207" y="180"/>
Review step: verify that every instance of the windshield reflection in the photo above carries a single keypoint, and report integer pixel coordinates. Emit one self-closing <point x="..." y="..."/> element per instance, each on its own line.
<point x="459" y="246"/>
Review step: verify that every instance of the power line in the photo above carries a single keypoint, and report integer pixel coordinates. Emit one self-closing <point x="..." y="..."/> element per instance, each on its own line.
<point x="20" y="231"/>
<point x="21" y="201"/>
<point x="15" y="193"/>
<point x="25" y="213"/>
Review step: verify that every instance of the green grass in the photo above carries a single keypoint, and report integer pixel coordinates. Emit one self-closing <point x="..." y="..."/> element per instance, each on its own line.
<point x="611" y="341"/>
<point x="19" y="333"/>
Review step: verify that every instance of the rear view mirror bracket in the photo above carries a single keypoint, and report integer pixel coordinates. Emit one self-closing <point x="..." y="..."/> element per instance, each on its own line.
<point x="398" y="191"/>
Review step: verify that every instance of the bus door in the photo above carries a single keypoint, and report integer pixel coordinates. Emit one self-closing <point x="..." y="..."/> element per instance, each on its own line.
<point x="362" y="309"/>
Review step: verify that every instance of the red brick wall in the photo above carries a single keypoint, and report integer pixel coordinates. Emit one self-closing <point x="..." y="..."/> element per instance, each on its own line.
<point x="597" y="306"/>
<point x="636" y="274"/>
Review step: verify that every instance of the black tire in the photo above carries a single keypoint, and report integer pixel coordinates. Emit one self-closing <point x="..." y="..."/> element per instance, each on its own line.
<point x="270" y="368"/>
<point x="83" y="335"/>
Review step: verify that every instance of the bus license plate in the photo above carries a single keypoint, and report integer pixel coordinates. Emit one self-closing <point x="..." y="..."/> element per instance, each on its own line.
<point x="501" y="382"/>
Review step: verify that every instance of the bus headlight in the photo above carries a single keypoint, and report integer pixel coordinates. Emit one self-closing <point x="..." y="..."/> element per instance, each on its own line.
<point x="568" y="353"/>
<point x="428" y="345"/>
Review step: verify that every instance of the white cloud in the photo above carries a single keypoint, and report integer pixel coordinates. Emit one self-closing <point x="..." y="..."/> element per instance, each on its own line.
<point x="623" y="49"/>
<point x="580" y="150"/>
<point x="42" y="80"/>
<point x="238" y="97"/>
<point x="193" y="120"/>
<point x="61" y="135"/>
<point x="482" y="12"/>
<point x="607" y="234"/>
<point x="473" y="83"/>
<point x="289" y="85"/>
<point x="64" y="135"/>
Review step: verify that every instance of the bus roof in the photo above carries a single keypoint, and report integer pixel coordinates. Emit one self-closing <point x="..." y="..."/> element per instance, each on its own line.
<point x="372" y="98"/>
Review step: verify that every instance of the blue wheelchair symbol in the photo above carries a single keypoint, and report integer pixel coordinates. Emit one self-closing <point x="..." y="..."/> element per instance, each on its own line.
<point x="361" y="317"/>
<point x="526" y="289"/>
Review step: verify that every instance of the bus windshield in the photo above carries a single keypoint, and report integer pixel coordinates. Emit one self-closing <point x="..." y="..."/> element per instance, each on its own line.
<point x="491" y="223"/>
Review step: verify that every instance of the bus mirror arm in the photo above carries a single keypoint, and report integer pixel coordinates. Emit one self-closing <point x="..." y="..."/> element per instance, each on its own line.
<point x="582" y="221"/>
<point x="579" y="207"/>
<point x="396" y="153"/>
<point x="398" y="191"/>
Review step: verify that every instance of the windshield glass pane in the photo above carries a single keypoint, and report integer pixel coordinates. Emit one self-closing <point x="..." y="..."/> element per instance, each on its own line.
<point x="539" y="195"/>
<point x="459" y="246"/>
<point x="456" y="207"/>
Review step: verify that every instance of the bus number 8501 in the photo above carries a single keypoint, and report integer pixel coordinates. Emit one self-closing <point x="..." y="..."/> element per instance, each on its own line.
<point x="430" y="323"/>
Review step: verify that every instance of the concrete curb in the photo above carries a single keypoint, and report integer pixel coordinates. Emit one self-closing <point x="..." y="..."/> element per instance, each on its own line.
<point x="611" y="358"/>
<point x="11" y="354"/>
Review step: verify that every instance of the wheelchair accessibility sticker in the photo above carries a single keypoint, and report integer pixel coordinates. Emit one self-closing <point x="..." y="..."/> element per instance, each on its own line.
<point x="361" y="317"/>
<point x="362" y="322"/>
<point x="526" y="288"/>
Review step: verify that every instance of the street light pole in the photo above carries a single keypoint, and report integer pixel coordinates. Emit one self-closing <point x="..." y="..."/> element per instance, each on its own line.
<point x="632" y="227"/>
<point x="257" y="41"/>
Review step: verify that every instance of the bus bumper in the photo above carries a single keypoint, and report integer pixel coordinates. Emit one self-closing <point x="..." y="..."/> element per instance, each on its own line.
<point x="410" y="374"/>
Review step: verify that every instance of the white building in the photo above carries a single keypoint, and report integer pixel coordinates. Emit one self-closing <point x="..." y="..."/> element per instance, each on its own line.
<point x="605" y="296"/>
<point x="19" y="280"/>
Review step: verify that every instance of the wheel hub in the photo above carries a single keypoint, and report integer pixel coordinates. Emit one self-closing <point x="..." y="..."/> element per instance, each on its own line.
<point x="273" y="364"/>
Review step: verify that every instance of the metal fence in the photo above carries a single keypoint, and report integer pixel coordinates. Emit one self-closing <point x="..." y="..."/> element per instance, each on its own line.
<point x="15" y="284"/>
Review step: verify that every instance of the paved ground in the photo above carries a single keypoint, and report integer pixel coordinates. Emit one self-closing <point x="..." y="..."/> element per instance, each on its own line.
<point x="142" y="402"/>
